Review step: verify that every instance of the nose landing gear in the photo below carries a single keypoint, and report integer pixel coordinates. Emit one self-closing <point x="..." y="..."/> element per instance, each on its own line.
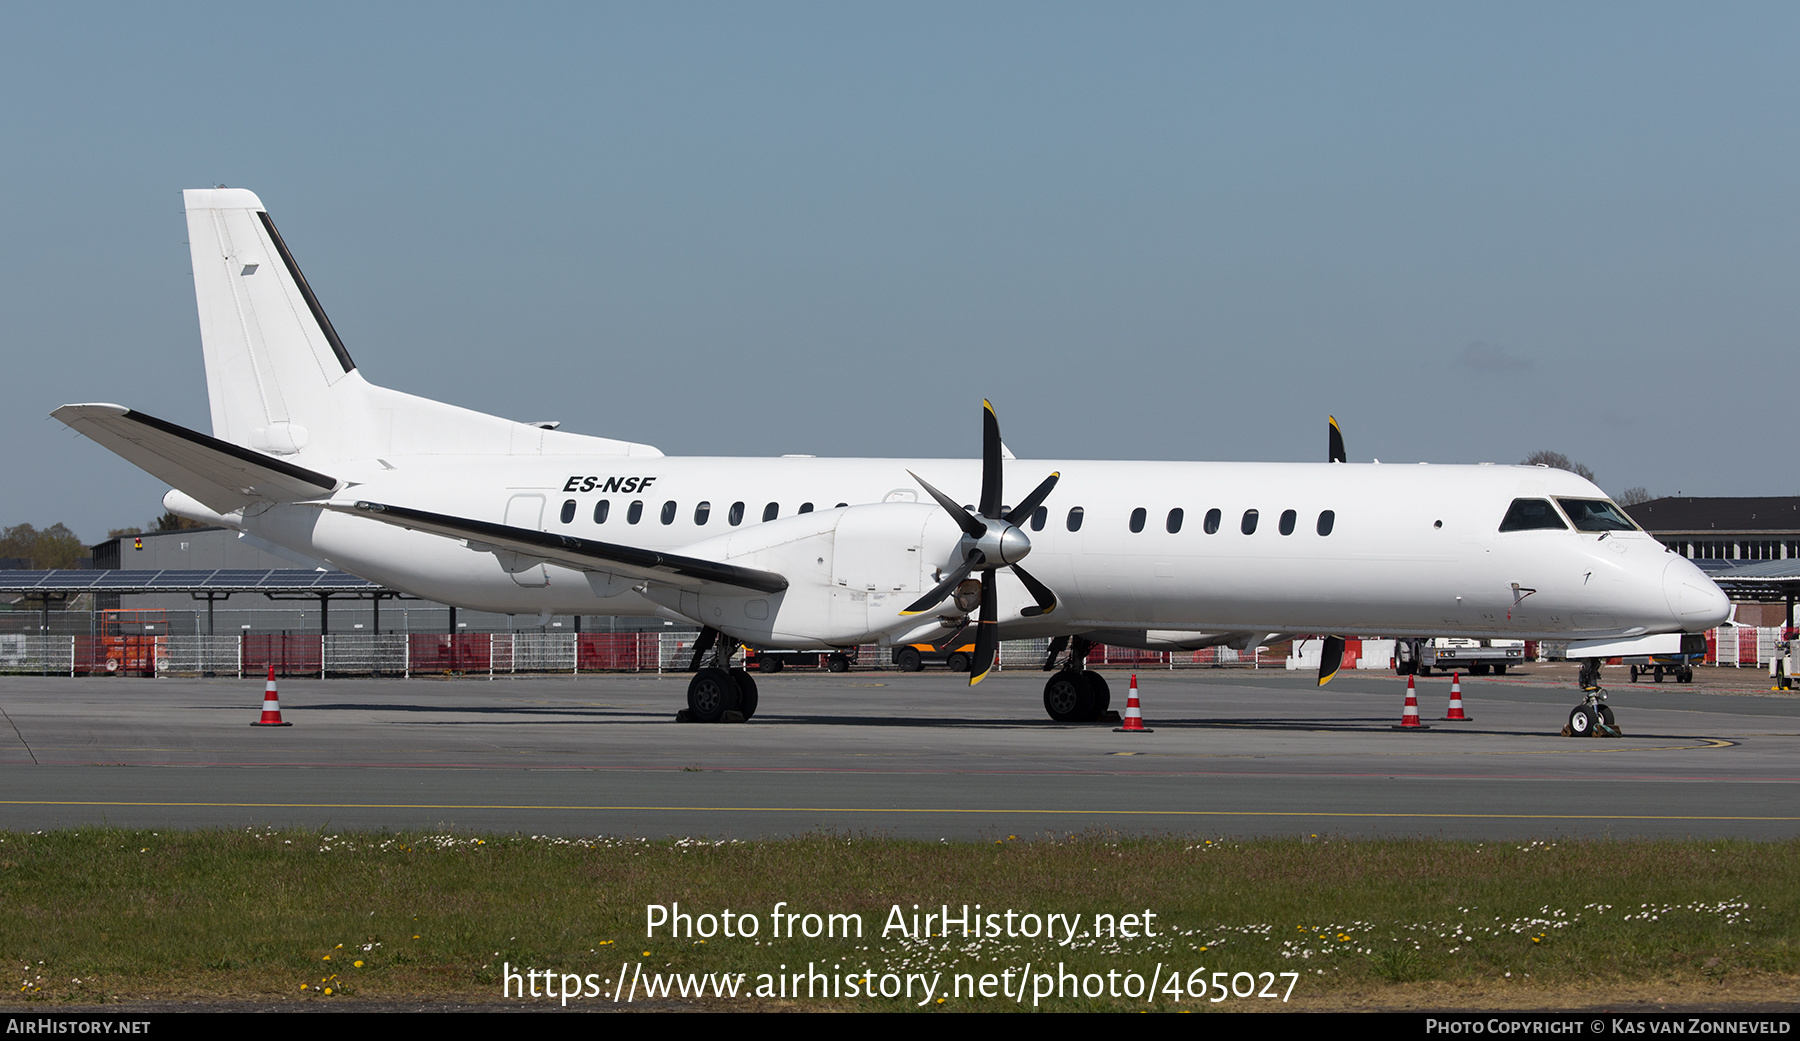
<point x="1593" y="717"/>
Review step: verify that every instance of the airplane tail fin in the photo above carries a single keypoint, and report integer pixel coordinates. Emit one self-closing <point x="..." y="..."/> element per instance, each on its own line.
<point x="277" y="373"/>
<point x="280" y="379"/>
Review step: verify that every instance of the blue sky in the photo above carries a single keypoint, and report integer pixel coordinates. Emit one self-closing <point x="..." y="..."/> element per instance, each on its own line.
<point x="1156" y="231"/>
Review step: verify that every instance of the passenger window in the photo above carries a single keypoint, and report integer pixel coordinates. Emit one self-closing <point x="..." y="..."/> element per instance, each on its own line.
<point x="1174" y="521"/>
<point x="1075" y="518"/>
<point x="1248" y="526"/>
<point x="668" y="512"/>
<point x="806" y="507"/>
<point x="1532" y="515"/>
<point x="601" y="509"/>
<point x="1287" y="521"/>
<point x="771" y="511"/>
<point x="841" y="505"/>
<point x="701" y="512"/>
<point x="1040" y="517"/>
<point x="568" y="510"/>
<point x="1137" y="519"/>
<point x="1326" y="520"/>
<point x="1213" y="517"/>
<point x="736" y="516"/>
<point x="635" y="513"/>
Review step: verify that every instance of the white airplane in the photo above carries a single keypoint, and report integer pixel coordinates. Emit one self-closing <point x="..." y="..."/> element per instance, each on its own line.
<point x="482" y="512"/>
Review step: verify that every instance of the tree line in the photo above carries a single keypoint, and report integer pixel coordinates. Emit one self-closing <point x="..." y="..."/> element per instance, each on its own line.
<point x="32" y="548"/>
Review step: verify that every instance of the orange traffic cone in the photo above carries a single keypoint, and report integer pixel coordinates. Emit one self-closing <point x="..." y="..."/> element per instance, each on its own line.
<point x="1409" y="718"/>
<point x="1134" y="716"/>
<point x="271" y="716"/>
<point x="1456" y="709"/>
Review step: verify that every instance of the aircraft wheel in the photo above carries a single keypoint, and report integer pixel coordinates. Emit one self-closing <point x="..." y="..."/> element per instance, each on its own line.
<point x="1102" y="695"/>
<point x="1067" y="698"/>
<point x="768" y="663"/>
<point x="1581" y="722"/>
<point x="1606" y="716"/>
<point x="958" y="662"/>
<point x="837" y="663"/>
<point x="908" y="659"/>
<point x="710" y="693"/>
<point x="746" y="688"/>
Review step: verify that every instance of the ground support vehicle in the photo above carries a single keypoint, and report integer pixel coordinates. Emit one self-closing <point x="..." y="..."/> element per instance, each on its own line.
<point x="774" y="661"/>
<point x="913" y="657"/>
<point x="1448" y="653"/>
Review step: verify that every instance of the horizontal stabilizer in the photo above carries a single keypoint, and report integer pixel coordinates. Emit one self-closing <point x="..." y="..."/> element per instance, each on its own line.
<point x="569" y="551"/>
<point x="223" y="476"/>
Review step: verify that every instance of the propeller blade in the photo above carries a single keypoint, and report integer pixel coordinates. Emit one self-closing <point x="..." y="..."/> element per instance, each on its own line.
<point x="970" y="526"/>
<point x="984" y="632"/>
<point x="1331" y="656"/>
<point x="1335" y="443"/>
<point x="990" y="461"/>
<point x="938" y="592"/>
<point x="1046" y="600"/>
<point x="1032" y="501"/>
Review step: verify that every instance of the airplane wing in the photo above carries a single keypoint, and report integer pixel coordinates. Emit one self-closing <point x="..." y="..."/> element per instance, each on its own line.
<point x="569" y="551"/>
<point x="220" y="474"/>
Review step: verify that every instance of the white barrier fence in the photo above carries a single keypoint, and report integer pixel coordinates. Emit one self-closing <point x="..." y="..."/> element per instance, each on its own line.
<point x="517" y="653"/>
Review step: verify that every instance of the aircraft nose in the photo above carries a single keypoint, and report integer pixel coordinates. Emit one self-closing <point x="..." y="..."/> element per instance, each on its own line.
<point x="1696" y="602"/>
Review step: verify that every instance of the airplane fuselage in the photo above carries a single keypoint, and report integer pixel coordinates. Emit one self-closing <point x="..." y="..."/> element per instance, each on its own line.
<point x="1350" y="549"/>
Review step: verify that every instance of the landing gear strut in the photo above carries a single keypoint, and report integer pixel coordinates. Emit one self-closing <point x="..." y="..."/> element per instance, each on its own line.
<point x="1593" y="717"/>
<point x="718" y="693"/>
<point x="1074" y="694"/>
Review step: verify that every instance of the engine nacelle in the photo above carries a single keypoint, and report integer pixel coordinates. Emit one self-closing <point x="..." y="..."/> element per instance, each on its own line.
<point x="850" y="572"/>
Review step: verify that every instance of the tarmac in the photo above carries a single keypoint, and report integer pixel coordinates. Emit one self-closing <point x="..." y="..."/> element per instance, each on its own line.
<point x="1234" y="752"/>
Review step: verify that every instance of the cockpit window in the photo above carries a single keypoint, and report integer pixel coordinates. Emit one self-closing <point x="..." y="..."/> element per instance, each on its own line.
<point x="1596" y="515"/>
<point x="1532" y="515"/>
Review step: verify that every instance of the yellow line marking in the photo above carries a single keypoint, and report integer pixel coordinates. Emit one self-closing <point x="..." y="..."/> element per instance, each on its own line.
<point x="879" y="809"/>
<point x="1708" y="744"/>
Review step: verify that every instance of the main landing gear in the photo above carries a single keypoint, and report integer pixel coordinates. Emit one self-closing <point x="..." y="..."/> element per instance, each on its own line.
<point x="718" y="693"/>
<point x="1074" y="694"/>
<point x="1593" y="717"/>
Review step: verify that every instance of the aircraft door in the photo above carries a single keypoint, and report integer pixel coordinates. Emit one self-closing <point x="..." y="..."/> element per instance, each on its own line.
<point x="525" y="511"/>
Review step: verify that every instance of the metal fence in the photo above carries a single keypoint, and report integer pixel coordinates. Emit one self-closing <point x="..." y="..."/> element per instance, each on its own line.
<point x="476" y="654"/>
<point x="572" y="653"/>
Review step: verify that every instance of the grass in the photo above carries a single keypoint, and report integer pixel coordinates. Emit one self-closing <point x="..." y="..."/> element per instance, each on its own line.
<point x="108" y="915"/>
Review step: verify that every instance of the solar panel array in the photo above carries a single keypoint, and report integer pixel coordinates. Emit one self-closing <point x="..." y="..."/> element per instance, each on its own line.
<point x="227" y="580"/>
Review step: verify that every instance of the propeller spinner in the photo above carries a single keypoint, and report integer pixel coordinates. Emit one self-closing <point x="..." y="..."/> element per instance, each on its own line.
<point x="990" y="541"/>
